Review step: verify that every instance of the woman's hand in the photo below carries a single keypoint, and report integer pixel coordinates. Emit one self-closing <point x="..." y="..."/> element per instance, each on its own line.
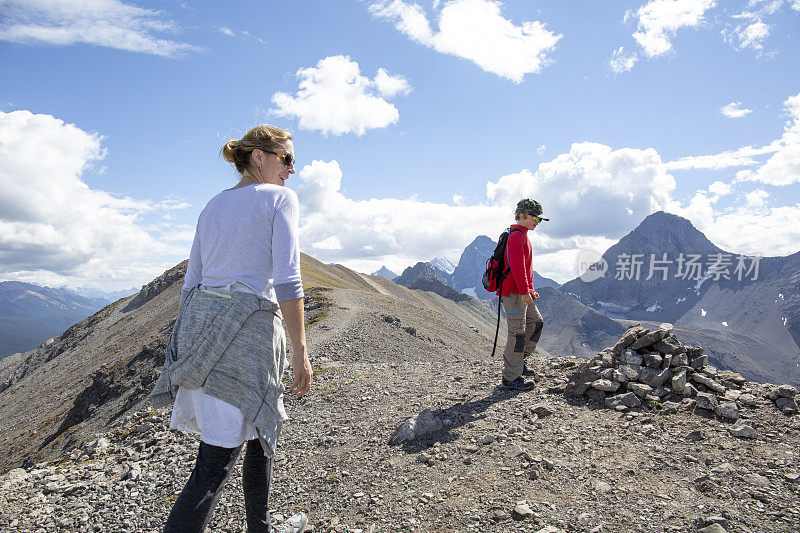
<point x="293" y="315"/>
<point x="303" y="374"/>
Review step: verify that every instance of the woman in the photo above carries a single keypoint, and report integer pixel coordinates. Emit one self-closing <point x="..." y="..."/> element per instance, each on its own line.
<point x="226" y="354"/>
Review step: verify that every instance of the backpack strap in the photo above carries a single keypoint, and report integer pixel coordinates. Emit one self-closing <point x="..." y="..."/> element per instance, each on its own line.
<point x="508" y="266"/>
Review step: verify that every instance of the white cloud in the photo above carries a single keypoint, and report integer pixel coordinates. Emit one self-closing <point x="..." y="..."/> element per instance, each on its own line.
<point x="741" y="157"/>
<point x="588" y="189"/>
<point x="757" y="198"/>
<point x="659" y="21"/>
<point x="227" y="31"/>
<point x="720" y="188"/>
<point x="384" y="230"/>
<point x="750" y="227"/>
<point x="753" y="35"/>
<point x="593" y="194"/>
<point x="334" y="97"/>
<point x="752" y="27"/>
<point x="542" y="149"/>
<point x="109" y="23"/>
<point x="477" y="31"/>
<point x="734" y="110"/>
<point x="747" y="29"/>
<point x="54" y="227"/>
<point x="622" y="62"/>
<point x="783" y="167"/>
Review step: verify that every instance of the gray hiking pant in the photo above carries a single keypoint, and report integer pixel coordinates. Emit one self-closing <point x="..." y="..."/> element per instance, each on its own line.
<point x="524" y="329"/>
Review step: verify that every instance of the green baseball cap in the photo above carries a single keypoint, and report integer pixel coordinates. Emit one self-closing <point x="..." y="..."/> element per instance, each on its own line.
<point x="531" y="207"/>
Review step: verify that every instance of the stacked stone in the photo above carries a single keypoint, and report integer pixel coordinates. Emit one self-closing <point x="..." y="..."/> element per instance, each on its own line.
<point x="653" y="366"/>
<point x="785" y="398"/>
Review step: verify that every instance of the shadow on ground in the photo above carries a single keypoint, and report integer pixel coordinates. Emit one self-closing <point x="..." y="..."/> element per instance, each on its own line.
<point x="440" y="425"/>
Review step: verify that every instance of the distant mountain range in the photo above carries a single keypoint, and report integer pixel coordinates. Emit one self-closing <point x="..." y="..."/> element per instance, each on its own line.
<point x="422" y="276"/>
<point x="31" y="314"/>
<point x="745" y="311"/>
<point x="466" y="276"/>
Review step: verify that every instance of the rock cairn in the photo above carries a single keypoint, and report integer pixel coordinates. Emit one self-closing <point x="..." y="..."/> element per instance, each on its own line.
<point x="652" y="366"/>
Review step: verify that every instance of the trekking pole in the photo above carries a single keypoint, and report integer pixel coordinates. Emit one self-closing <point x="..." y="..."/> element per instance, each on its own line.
<point x="497" y="329"/>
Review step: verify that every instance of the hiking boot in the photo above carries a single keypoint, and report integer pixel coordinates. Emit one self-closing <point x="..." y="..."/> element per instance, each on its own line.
<point x="528" y="371"/>
<point x="295" y="524"/>
<point x="517" y="384"/>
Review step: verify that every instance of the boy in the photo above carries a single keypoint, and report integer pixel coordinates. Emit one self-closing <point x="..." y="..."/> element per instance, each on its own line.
<point x="517" y="295"/>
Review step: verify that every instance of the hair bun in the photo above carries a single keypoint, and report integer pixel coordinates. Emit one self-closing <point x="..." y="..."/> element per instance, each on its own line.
<point x="229" y="150"/>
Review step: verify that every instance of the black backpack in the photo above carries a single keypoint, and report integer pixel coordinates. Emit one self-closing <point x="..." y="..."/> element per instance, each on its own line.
<point x="496" y="272"/>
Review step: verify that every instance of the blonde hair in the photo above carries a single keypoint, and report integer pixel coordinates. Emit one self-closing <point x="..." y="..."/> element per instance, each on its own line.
<point x="263" y="137"/>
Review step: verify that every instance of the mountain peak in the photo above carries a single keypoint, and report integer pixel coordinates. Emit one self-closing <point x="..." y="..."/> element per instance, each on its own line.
<point x="385" y="272"/>
<point x="440" y="263"/>
<point x="661" y="233"/>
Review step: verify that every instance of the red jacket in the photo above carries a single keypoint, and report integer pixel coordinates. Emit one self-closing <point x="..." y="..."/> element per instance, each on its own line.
<point x="519" y="257"/>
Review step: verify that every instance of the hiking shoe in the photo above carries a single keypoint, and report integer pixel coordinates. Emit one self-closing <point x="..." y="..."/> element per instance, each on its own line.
<point x="528" y="371"/>
<point x="517" y="384"/>
<point x="295" y="524"/>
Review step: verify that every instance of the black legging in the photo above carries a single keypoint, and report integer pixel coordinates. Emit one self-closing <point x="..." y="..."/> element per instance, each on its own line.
<point x="195" y="505"/>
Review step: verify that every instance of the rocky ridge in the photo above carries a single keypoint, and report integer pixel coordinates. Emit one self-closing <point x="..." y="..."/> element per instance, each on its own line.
<point x="494" y="460"/>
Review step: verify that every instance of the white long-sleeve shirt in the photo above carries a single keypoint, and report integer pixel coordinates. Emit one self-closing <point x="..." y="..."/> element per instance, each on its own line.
<point x="247" y="236"/>
<point x="246" y="240"/>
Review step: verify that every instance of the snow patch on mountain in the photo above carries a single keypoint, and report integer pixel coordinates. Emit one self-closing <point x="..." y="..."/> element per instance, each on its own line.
<point x="442" y="264"/>
<point x="469" y="291"/>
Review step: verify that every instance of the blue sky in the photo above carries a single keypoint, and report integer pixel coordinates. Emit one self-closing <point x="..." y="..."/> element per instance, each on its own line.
<point x="417" y="125"/>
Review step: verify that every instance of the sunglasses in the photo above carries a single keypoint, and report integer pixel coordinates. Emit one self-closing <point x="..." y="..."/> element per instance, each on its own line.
<point x="287" y="159"/>
<point x="534" y="217"/>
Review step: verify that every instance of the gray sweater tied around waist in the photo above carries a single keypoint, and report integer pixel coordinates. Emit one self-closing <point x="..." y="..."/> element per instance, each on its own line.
<point x="232" y="344"/>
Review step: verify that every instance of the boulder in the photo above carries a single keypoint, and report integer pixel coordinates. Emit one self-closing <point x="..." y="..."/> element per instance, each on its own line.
<point x="690" y="391"/>
<point x="660" y="392"/>
<point x="652" y="360"/>
<point x="576" y="389"/>
<point x="693" y="351"/>
<point x="708" y="382"/>
<point x="727" y="410"/>
<point x="660" y="378"/>
<point x="628" y="338"/>
<point x="421" y="425"/>
<point x="743" y="430"/>
<point x="640" y="389"/>
<point x="628" y="399"/>
<point x="646" y="375"/>
<point x="733" y="377"/>
<point x="619" y="376"/>
<point x="669" y="346"/>
<point x="747" y="399"/>
<point x="631" y="371"/>
<point x="788" y="406"/>
<point x="595" y="395"/>
<point x="680" y="359"/>
<point x="679" y="382"/>
<point x="706" y="401"/>
<point x="605" y="385"/>
<point x="648" y="339"/>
